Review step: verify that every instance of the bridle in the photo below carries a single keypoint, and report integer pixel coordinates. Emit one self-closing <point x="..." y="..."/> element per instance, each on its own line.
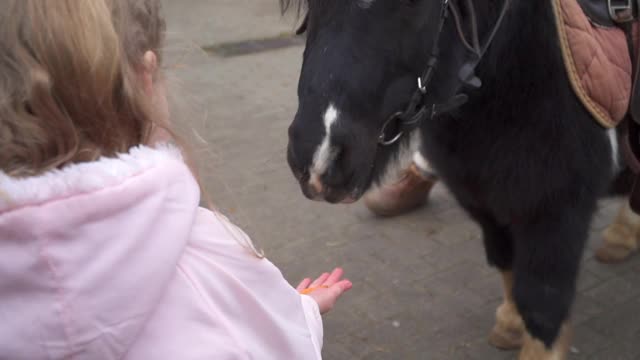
<point x="419" y="110"/>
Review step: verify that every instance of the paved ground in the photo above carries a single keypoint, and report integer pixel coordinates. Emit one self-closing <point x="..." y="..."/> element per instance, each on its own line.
<point x="422" y="289"/>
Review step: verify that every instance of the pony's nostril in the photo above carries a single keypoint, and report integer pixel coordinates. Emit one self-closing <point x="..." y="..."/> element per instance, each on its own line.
<point x="337" y="172"/>
<point x="316" y="184"/>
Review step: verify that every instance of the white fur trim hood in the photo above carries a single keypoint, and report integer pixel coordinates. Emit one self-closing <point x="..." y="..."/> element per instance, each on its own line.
<point x="82" y="177"/>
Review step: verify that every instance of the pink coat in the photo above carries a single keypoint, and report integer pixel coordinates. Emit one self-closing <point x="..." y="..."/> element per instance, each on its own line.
<point x="114" y="260"/>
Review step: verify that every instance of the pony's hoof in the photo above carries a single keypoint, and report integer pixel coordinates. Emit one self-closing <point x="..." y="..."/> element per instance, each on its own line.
<point x="621" y="238"/>
<point x="505" y="339"/>
<point x="533" y="349"/>
<point x="613" y="254"/>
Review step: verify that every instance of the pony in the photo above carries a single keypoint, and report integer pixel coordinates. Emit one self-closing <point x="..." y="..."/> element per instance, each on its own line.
<point x="496" y="117"/>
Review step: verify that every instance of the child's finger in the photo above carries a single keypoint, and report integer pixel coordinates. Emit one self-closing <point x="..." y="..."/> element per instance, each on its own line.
<point x="335" y="276"/>
<point x="319" y="281"/>
<point x="304" y="284"/>
<point x="340" y="288"/>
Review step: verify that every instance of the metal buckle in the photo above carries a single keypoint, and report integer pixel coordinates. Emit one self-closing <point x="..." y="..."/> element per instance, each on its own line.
<point x="382" y="138"/>
<point x="422" y="87"/>
<point x="621" y="11"/>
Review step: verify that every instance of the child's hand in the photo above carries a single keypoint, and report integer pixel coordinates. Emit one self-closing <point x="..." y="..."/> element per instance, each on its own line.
<point x="326" y="289"/>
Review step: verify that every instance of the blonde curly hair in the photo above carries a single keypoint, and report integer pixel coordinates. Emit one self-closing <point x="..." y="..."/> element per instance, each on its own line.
<point x="69" y="80"/>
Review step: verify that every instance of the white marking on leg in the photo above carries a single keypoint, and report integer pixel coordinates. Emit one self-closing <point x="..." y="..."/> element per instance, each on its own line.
<point x="325" y="153"/>
<point x="613" y="138"/>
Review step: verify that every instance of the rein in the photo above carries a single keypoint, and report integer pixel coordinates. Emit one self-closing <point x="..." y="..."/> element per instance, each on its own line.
<point x="418" y="110"/>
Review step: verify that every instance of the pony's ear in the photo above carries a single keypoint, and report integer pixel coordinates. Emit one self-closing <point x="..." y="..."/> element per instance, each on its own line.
<point x="303" y="27"/>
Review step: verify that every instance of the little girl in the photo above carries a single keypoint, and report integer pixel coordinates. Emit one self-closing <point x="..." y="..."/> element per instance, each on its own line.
<point x="104" y="253"/>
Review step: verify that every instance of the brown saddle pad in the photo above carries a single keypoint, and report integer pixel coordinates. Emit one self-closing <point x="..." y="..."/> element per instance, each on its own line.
<point x="598" y="62"/>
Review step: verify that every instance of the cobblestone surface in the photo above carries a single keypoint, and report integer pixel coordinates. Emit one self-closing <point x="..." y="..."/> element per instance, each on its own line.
<point x="422" y="289"/>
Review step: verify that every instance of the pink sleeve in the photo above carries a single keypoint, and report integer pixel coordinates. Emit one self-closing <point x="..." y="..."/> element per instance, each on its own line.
<point x="314" y="321"/>
<point x="226" y="303"/>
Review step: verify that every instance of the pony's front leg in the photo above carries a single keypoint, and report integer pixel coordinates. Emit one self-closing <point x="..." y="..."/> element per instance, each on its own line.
<point x="508" y="332"/>
<point x="548" y="249"/>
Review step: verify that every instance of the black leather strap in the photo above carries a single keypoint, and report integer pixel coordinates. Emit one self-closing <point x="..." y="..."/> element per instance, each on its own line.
<point x="634" y="54"/>
<point x="631" y="144"/>
<point x="597" y="11"/>
<point x="419" y="110"/>
<point x="631" y="151"/>
<point x="634" y="102"/>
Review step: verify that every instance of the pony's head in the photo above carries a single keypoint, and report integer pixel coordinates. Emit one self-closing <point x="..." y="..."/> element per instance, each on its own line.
<point x="360" y="66"/>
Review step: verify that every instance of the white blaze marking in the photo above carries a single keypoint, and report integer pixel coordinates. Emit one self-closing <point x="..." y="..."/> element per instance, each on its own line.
<point x="325" y="154"/>
<point x="613" y="138"/>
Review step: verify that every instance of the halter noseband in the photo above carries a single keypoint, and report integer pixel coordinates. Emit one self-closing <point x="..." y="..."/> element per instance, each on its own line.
<point x="418" y="109"/>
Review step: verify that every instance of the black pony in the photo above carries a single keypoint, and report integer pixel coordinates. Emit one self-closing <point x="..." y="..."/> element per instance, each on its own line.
<point x="520" y="153"/>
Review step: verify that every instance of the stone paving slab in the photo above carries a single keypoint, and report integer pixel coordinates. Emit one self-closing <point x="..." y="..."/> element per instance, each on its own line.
<point x="422" y="289"/>
<point x="208" y="22"/>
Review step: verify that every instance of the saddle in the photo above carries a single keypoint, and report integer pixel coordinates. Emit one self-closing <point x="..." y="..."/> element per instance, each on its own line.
<point x="598" y="57"/>
<point x="600" y="41"/>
